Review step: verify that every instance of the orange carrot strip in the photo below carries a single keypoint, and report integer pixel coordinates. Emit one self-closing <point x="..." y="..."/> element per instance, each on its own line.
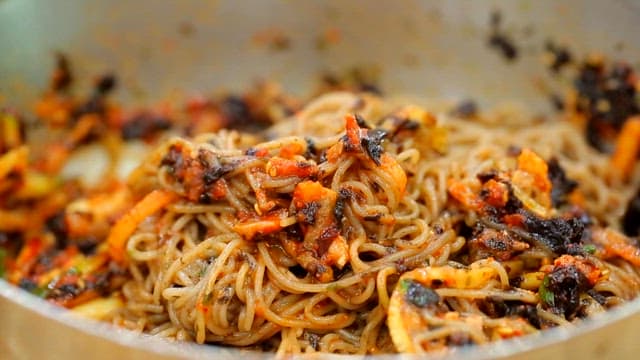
<point x="309" y="191"/>
<point x="617" y="244"/>
<point x="82" y="128"/>
<point x="627" y="147"/>
<point x="278" y="166"/>
<point x="251" y="224"/>
<point x="26" y="258"/>
<point x="533" y="164"/>
<point x="16" y="158"/>
<point x="464" y="194"/>
<point x="263" y="226"/>
<point x="352" y="130"/>
<point x="15" y="220"/>
<point x="391" y="166"/>
<point x="127" y="224"/>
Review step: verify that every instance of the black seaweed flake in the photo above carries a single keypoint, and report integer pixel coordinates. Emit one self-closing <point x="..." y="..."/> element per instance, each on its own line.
<point x="96" y="102"/>
<point x="63" y="77"/>
<point x="420" y="295"/>
<point x="106" y="83"/>
<point x="311" y="148"/>
<point x="499" y="40"/>
<point x="236" y="111"/>
<point x="566" y="283"/>
<point x="607" y="97"/>
<point x="309" y="211"/>
<point x="561" y="56"/>
<point x="362" y="123"/>
<point x="216" y="172"/>
<point x="467" y="108"/>
<point x="561" y="186"/>
<point x="372" y="144"/>
<point x="558" y="234"/>
<point x="338" y="210"/>
<point x="144" y="125"/>
<point x="631" y="218"/>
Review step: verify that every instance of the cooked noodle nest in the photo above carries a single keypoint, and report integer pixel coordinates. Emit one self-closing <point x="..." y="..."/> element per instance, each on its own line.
<point x="195" y="277"/>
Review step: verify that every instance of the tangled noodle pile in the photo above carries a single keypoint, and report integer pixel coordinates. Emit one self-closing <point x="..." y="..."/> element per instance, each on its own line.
<point x="350" y="223"/>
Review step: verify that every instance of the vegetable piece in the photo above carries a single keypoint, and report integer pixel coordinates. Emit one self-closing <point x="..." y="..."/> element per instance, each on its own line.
<point x="352" y="131"/>
<point x="495" y="193"/>
<point x="417" y="294"/>
<point x="323" y="246"/>
<point x="561" y="288"/>
<point x="372" y="144"/>
<point x="561" y="186"/>
<point x="10" y="131"/>
<point x="464" y="194"/>
<point x="99" y="308"/>
<point x="570" y="277"/>
<point x="127" y="224"/>
<point x="532" y="280"/>
<point x="589" y="249"/>
<point x="14" y="220"/>
<point x="16" y="158"/>
<point x="36" y="185"/>
<point x="389" y="165"/>
<point x="27" y="256"/>
<point x="532" y="175"/>
<point x="546" y="296"/>
<point x="626" y="150"/>
<point x="281" y="167"/>
<point x="251" y="225"/>
<point x="473" y="278"/>
<point x="616" y="244"/>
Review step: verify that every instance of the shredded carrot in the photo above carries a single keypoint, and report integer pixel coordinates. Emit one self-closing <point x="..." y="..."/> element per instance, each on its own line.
<point x="10" y="161"/>
<point x="533" y="164"/>
<point x="464" y="194"/>
<point x="26" y="258"/>
<point x="249" y="230"/>
<point x="497" y="193"/>
<point x="128" y="223"/>
<point x="83" y="297"/>
<point x="290" y="150"/>
<point x="576" y="197"/>
<point x="251" y="225"/>
<point x="353" y="130"/>
<point x="278" y="166"/>
<point x="57" y="155"/>
<point x="616" y="244"/>
<point x="15" y="220"/>
<point x="627" y="147"/>
<point x="389" y="165"/>
<point x="54" y="109"/>
<point x="10" y="131"/>
<point x="82" y="128"/>
<point x="308" y="191"/>
<point x="334" y="152"/>
<point x="219" y="189"/>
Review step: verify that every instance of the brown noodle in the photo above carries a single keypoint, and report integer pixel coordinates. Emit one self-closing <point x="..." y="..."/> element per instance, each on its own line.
<point x="194" y="278"/>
